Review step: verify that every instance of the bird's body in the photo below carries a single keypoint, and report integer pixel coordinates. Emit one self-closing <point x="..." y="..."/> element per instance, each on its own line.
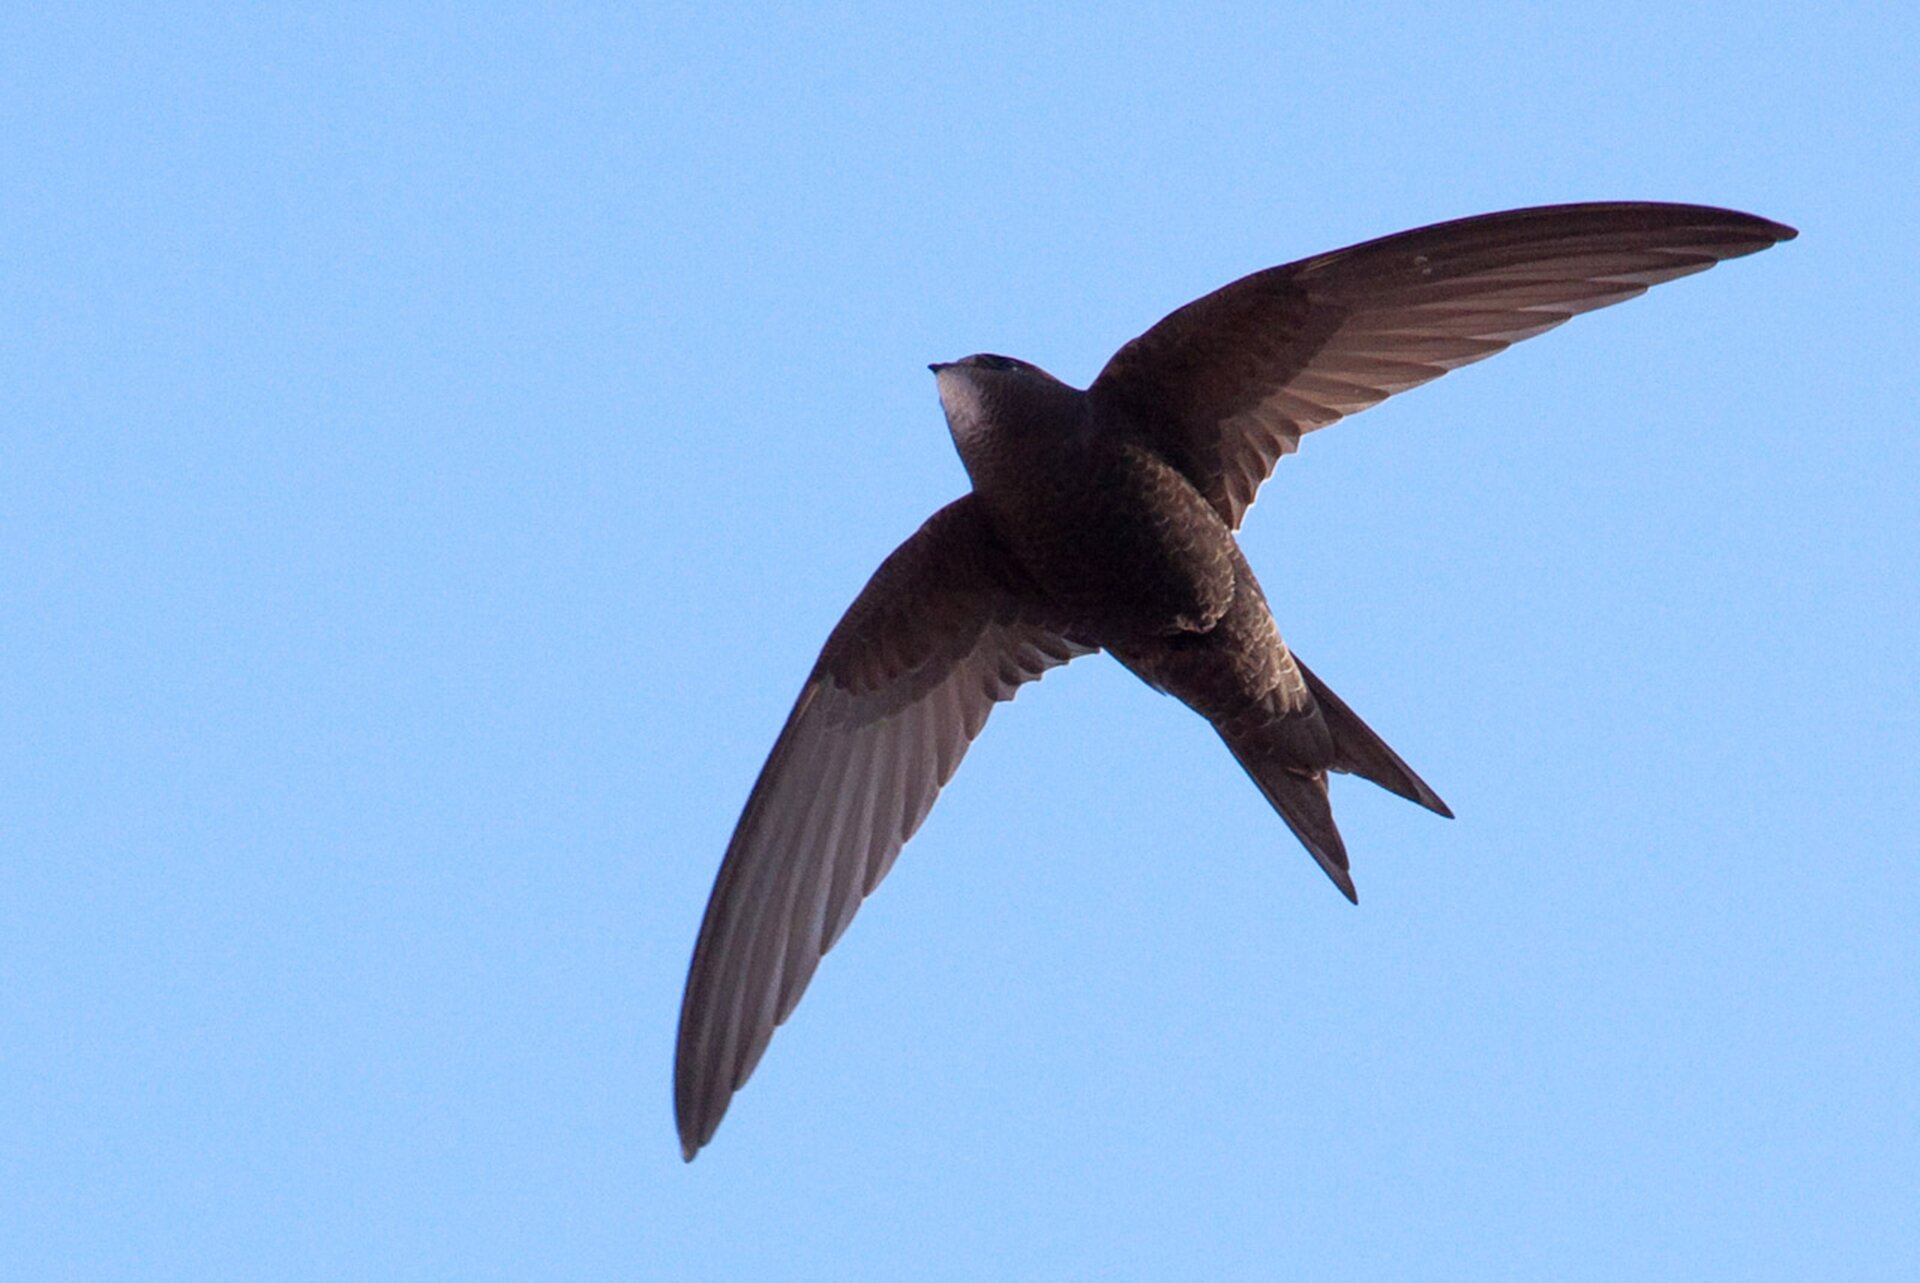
<point x="1105" y="519"/>
<point x="1132" y="559"/>
<point x="1109" y="530"/>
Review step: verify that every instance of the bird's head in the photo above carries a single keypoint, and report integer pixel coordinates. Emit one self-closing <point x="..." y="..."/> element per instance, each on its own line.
<point x="986" y="395"/>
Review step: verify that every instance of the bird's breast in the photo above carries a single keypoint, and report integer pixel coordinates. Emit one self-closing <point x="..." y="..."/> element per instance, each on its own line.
<point x="1116" y="536"/>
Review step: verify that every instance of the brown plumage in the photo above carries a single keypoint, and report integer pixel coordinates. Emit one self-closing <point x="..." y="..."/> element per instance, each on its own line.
<point x="1105" y="519"/>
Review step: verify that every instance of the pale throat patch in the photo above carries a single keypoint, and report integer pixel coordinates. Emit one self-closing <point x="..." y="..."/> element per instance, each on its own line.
<point x="966" y="409"/>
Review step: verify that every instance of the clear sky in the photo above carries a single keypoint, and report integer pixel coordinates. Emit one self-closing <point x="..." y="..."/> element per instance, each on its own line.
<point x="436" y="444"/>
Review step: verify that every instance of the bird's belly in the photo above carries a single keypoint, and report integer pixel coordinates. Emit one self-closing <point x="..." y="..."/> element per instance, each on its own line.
<point x="1127" y="547"/>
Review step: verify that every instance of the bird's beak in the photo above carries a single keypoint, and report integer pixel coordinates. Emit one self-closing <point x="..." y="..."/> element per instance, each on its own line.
<point x="938" y="366"/>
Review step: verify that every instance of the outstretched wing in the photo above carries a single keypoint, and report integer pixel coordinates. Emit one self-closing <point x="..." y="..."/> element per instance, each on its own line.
<point x="1229" y="383"/>
<point x="942" y="631"/>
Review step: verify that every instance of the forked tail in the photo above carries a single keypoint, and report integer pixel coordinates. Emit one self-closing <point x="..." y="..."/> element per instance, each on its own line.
<point x="1358" y="751"/>
<point x="1299" y="791"/>
<point x="1301" y="798"/>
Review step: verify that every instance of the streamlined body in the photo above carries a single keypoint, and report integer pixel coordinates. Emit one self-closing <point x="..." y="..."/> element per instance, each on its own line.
<point x="1104" y="519"/>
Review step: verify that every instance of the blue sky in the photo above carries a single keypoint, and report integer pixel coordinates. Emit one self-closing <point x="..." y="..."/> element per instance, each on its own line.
<point x="438" y="442"/>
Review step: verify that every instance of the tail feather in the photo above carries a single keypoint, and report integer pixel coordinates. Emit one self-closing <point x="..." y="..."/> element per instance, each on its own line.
<point x="1358" y="751"/>
<point x="1301" y="798"/>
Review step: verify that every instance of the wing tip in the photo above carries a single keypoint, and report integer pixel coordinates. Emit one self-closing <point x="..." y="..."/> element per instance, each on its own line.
<point x="1777" y="231"/>
<point x="694" y="1133"/>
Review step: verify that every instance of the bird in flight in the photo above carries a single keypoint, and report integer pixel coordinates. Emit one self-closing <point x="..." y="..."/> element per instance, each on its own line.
<point x="1104" y="519"/>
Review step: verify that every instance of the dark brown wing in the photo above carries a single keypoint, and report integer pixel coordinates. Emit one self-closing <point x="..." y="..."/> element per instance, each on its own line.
<point x="941" y="632"/>
<point x="1230" y="382"/>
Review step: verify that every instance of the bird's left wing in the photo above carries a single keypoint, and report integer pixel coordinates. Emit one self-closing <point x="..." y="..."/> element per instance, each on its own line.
<point x="946" y="628"/>
<point x="1229" y="383"/>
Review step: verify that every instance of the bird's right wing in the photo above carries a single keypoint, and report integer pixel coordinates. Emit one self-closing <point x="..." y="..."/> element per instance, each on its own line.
<point x="946" y="627"/>
<point x="1229" y="383"/>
